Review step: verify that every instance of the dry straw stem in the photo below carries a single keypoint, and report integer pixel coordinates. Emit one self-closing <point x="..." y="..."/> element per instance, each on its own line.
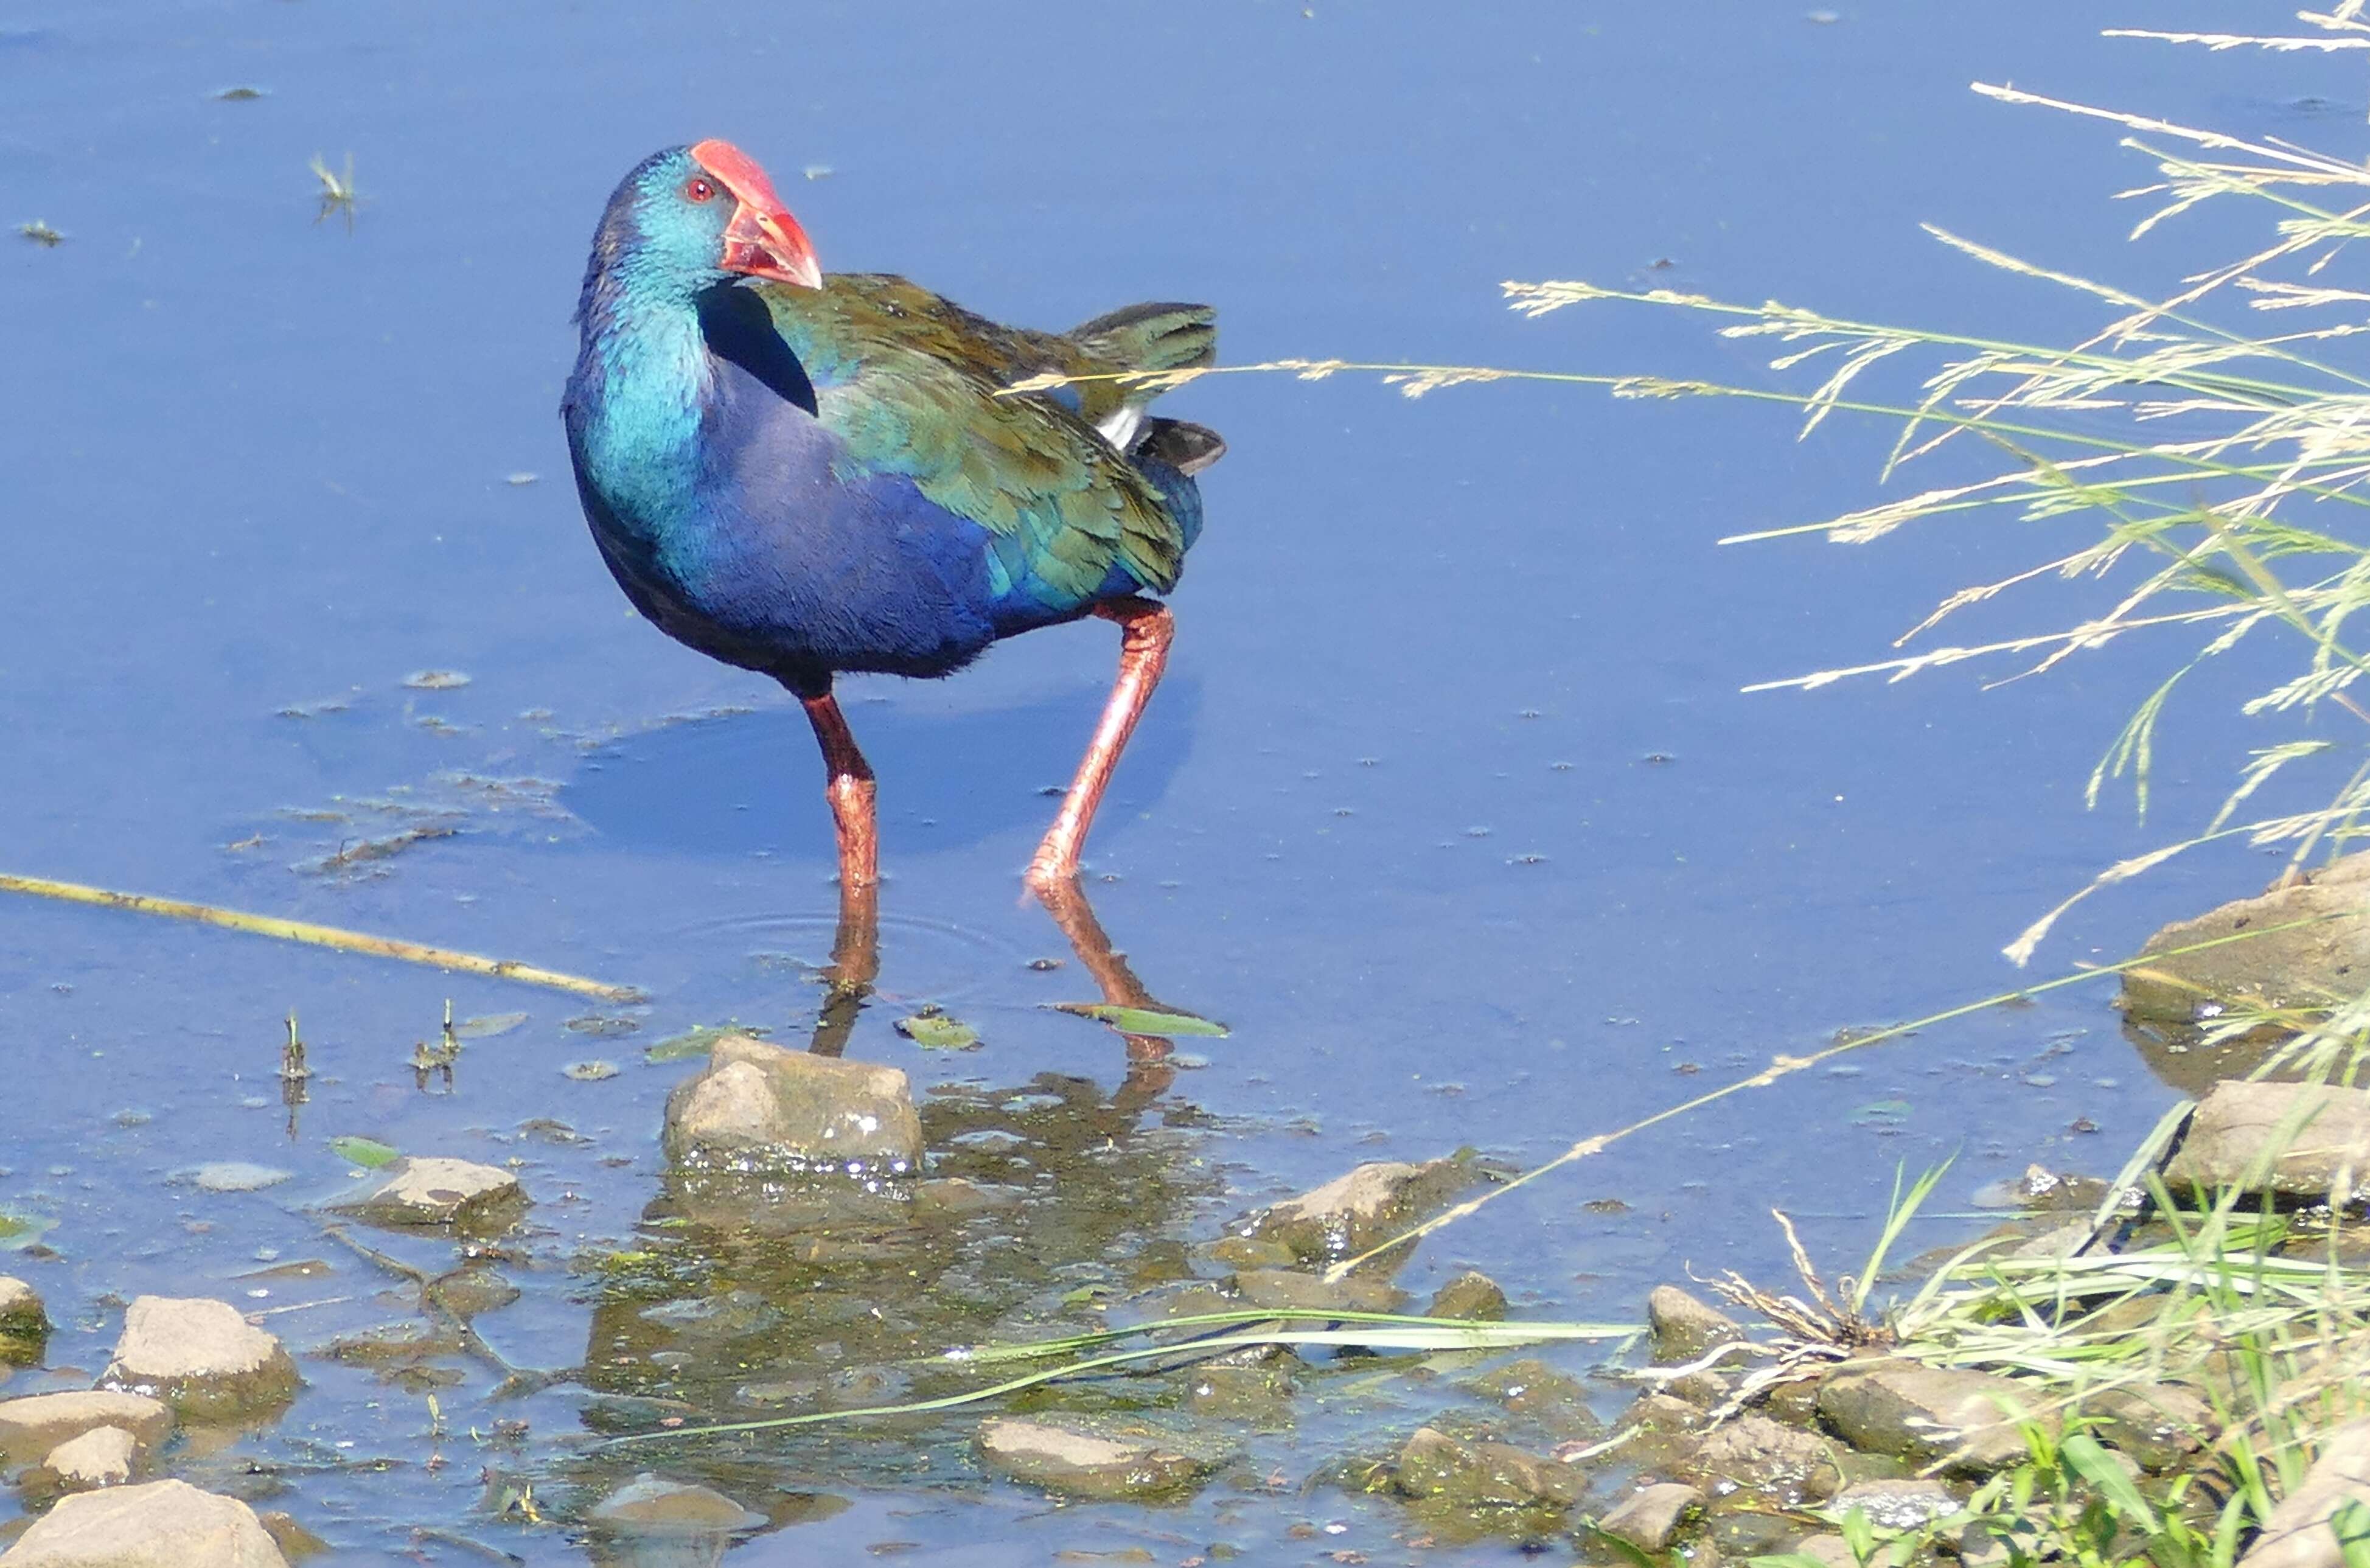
<point x="318" y="936"/>
<point x="1784" y="1066"/>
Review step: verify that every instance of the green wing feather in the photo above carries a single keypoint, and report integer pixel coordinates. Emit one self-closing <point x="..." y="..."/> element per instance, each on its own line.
<point x="909" y="381"/>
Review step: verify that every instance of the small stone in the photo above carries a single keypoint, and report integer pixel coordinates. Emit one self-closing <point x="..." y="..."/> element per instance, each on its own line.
<point x="422" y="1190"/>
<point x="1828" y="1548"/>
<point x="1250" y="1252"/>
<point x="1967" y="1420"/>
<point x="23" y="1323"/>
<point x="1482" y="1475"/>
<point x="100" y="1457"/>
<point x="202" y="1358"/>
<point x="1906" y="1505"/>
<point x="1363" y="1210"/>
<point x="1650" y="1518"/>
<point x="1472" y="1296"/>
<point x="958" y="1197"/>
<point x="32" y="1426"/>
<point x="2302" y="1532"/>
<point x="1290" y="1291"/>
<point x="1555" y="1402"/>
<point x="2308" y="943"/>
<point x="2235" y="1138"/>
<point x="1102" y="1460"/>
<point x="757" y="1107"/>
<point x="1685" y="1327"/>
<point x="2158" y="1425"/>
<point x="164" y="1524"/>
<point x="469" y="1292"/>
<point x="651" y="1505"/>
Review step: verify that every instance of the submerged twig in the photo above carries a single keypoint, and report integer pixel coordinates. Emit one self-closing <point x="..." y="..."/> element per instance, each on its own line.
<point x="317" y="936"/>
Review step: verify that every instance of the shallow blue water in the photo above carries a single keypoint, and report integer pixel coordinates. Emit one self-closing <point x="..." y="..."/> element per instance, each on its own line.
<point x="1452" y="806"/>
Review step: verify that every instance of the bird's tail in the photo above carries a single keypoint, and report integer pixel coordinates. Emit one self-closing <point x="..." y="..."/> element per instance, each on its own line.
<point x="1152" y="336"/>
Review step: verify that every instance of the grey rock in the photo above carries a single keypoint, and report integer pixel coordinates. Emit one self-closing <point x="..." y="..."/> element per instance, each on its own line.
<point x="1964" y="1419"/>
<point x="1363" y="1210"/>
<point x="1482" y="1475"/>
<point x="103" y="1456"/>
<point x="1649" y="1517"/>
<point x="1102" y="1459"/>
<point x="202" y="1358"/>
<point x="1906" y="1505"/>
<point x="1290" y="1291"/>
<point x="427" y="1191"/>
<point x="1783" y="1465"/>
<point x="2158" y="1425"/>
<point x="652" y="1505"/>
<point x="163" y="1523"/>
<point x="761" y="1107"/>
<point x="2304" y="966"/>
<point x="31" y="1426"/>
<point x="1685" y="1327"/>
<point x="1472" y="1296"/>
<point x="2300" y="1533"/>
<point x="2239" y="1138"/>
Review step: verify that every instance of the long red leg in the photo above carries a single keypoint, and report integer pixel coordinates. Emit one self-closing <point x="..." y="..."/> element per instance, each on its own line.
<point x="1146" y="629"/>
<point x="847" y="783"/>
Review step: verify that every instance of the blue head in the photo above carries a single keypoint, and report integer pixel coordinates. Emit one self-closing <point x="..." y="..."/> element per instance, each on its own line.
<point x="690" y="217"/>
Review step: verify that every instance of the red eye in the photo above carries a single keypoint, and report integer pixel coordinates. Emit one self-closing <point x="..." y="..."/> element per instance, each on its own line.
<point x="699" y="190"/>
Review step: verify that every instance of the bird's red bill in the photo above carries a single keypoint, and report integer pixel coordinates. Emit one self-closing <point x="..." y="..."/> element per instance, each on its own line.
<point x="763" y="240"/>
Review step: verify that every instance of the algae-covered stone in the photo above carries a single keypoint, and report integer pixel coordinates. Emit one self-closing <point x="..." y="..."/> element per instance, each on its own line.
<point x="1650" y="1518"/>
<point x="1684" y="1327"/>
<point x="1102" y="1459"/>
<point x="757" y="1106"/>
<point x="23" y="1323"/>
<point x="1472" y="1296"/>
<point x="202" y="1358"/>
<point x="2315" y="964"/>
<point x="1966" y="1420"/>
<point x="1363" y="1210"/>
<point x="2296" y="1140"/>
<point x="1288" y="1290"/>
<point x="164" y="1524"/>
<point x="31" y="1426"/>
<point x="425" y="1190"/>
<point x="1482" y="1475"/>
<point x="1785" y="1465"/>
<point x="1555" y="1403"/>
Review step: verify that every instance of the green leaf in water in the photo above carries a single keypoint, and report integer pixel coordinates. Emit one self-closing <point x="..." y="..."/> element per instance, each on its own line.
<point x="1143" y="1020"/>
<point x="698" y="1041"/>
<point x="19" y="1229"/>
<point x="932" y="1030"/>
<point x="487" y="1025"/>
<point x="368" y="1153"/>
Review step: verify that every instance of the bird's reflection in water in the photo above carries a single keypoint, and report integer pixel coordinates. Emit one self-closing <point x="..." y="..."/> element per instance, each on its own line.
<point x="856" y="965"/>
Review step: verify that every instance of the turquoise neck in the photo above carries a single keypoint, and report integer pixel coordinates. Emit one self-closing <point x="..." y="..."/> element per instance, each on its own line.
<point x="650" y="363"/>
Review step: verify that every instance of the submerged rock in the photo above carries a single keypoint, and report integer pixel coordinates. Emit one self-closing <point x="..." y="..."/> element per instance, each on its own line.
<point x="1472" y="1296"/>
<point x="1650" y="1518"/>
<point x="1905" y="1505"/>
<point x="1482" y="1475"/>
<point x="101" y="1457"/>
<point x="32" y="1426"/>
<point x="652" y="1505"/>
<point x="1103" y="1460"/>
<point x="2291" y="1139"/>
<point x="2311" y="965"/>
<point x="757" y="1106"/>
<point x="1290" y="1291"/>
<point x="1966" y="1420"/>
<point x="202" y="1358"/>
<point x="1685" y="1327"/>
<point x="164" y="1524"/>
<point x="423" y="1191"/>
<point x="1353" y="1213"/>
<point x="1555" y="1403"/>
<point x="2301" y="1532"/>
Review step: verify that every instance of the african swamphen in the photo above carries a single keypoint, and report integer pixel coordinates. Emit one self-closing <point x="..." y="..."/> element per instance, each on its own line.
<point x="802" y="474"/>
